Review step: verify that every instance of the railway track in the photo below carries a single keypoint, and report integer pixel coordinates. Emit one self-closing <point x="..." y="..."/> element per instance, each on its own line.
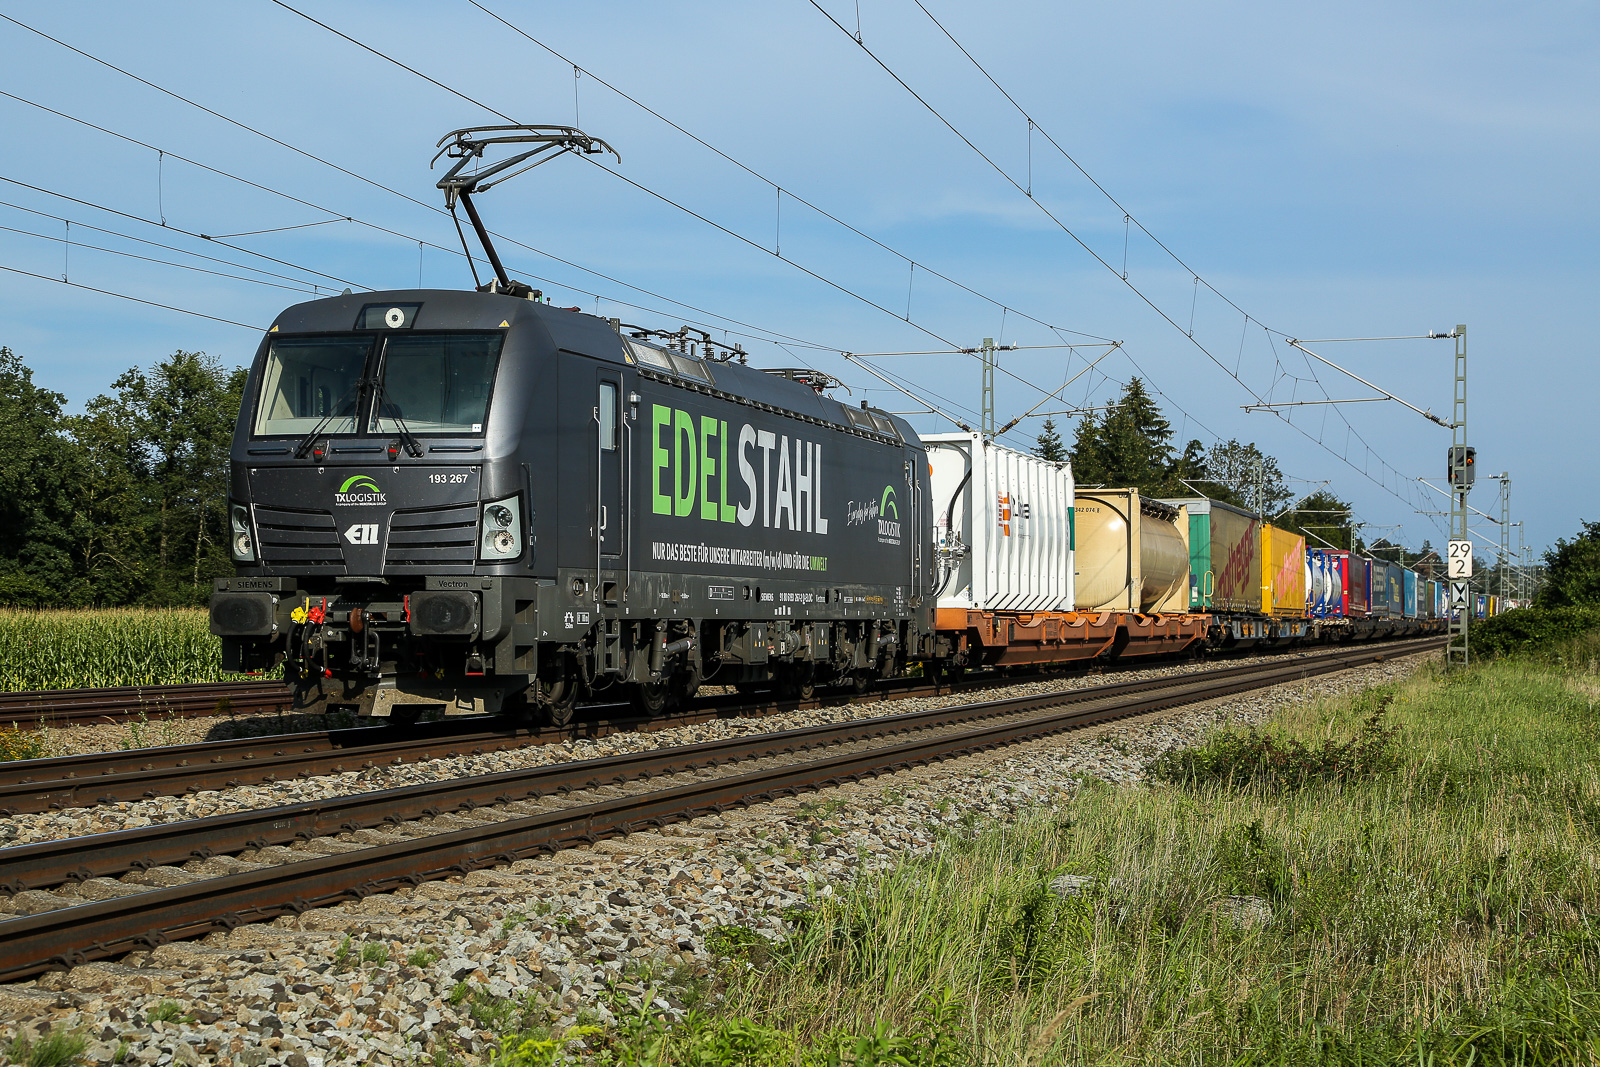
<point x="110" y="777"/>
<point x="87" y="779"/>
<point x="524" y="820"/>
<point x="120" y="704"/>
<point x="117" y="704"/>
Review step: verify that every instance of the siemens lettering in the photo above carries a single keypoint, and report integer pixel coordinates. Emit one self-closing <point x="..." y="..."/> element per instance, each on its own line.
<point x="690" y="473"/>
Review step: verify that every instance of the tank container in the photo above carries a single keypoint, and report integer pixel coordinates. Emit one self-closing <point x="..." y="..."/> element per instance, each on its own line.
<point x="1330" y="598"/>
<point x="1003" y="526"/>
<point x="1131" y="553"/>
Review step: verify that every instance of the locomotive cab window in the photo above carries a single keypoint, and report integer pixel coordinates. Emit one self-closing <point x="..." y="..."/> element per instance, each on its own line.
<point x="436" y="383"/>
<point x="307" y="380"/>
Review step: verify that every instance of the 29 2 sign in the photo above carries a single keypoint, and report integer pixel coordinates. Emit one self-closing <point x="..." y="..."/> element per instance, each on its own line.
<point x="1460" y="563"/>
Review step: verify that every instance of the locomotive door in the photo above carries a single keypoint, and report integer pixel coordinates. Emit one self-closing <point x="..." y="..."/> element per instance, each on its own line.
<point x="610" y="515"/>
<point x="608" y="467"/>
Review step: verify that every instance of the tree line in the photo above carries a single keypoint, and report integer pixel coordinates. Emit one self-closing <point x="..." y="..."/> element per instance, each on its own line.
<point x="1129" y="443"/>
<point x="125" y="503"/>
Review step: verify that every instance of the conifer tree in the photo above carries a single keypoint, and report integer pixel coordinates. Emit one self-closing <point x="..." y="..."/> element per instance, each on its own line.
<point x="1049" y="446"/>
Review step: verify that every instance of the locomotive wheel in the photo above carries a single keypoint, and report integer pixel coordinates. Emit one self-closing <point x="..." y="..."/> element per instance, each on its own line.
<point x="404" y="715"/>
<point x="859" y="682"/>
<point x="559" y="706"/>
<point x="685" y="685"/>
<point x="649" y="697"/>
<point x="557" y="697"/>
<point x="797" y="682"/>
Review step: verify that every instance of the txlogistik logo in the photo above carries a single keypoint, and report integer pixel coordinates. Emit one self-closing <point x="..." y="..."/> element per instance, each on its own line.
<point x="359" y="490"/>
<point x="885" y="512"/>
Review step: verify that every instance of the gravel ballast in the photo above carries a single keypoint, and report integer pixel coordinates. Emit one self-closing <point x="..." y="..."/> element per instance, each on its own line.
<point x="568" y="929"/>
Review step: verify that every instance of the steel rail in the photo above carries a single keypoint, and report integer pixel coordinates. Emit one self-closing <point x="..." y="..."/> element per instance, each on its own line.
<point x="29" y="786"/>
<point x="85" y="779"/>
<point x="594" y="720"/>
<point x="118" y="704"/>
<point x="44" y="864"/>
<point x="76" y="934"/>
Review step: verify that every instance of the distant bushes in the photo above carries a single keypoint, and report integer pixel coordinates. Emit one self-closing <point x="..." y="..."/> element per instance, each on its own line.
<point x="1535" y="630"/>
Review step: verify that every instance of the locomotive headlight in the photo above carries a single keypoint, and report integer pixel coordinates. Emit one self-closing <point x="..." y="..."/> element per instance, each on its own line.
<point x="501" y="536"/>
<point x="244" y="546"/>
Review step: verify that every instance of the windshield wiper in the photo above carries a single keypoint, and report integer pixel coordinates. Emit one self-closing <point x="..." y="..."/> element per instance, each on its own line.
<point x="309" y="439"/>
<point x="413" y="446"/>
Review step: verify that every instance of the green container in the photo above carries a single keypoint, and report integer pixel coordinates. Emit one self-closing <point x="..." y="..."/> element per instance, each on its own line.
<point x="1224" y="556"/>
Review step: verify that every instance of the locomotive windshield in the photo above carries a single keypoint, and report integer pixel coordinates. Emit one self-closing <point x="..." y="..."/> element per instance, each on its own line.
<point x="436" y="383"/>
<point x="309" y="379"/>
<point x="428" y="383"/>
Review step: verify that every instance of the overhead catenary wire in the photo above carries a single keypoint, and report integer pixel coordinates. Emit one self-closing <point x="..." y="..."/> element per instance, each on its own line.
<point x="782" y="189"/>
<point x="154" y="244"/>
<point x="775" y="251"/>
<point x="135" y="299"/>
<point x="761" y="333"/>
<point x="1097" y="257"/>
<point x="1128" y="218"/>
<point x="387" y="189"/>
<point x="176" y="229"/>
<point x="150" y="259"/>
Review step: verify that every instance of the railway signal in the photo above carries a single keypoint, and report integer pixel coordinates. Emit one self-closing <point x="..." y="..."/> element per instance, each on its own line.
<point x="1461" y="467"/>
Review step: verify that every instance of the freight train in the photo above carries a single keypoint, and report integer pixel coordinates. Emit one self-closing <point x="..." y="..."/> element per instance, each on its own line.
<point x="479" y="502"/>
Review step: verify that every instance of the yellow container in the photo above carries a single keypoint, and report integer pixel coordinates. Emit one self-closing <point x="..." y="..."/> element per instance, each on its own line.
<point x="1283" y="572"/>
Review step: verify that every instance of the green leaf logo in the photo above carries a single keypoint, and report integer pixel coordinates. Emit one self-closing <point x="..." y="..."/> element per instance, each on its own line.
<point x="887" y="506"/>
<point x="360" y="483"/>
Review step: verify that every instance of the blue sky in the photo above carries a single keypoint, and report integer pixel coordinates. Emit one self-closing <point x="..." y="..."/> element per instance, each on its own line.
<point x="1367" y="171"/>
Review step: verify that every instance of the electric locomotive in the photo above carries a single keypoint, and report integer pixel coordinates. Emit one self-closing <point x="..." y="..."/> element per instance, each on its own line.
<point x="480" y="502"/>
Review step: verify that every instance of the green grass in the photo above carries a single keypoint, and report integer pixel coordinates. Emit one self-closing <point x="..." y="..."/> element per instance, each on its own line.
<point x="104" y="647"/>
<point x="61" y="1048"/>
<point x="1407" y="877"/>
<point x="1428" y="853"/>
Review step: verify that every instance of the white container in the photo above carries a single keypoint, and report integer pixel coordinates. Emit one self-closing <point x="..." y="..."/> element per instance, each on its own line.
<point x="1002" y="526"/>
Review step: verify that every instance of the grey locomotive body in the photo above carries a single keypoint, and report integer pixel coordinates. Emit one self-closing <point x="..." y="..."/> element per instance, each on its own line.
<point x="483" y="502"/>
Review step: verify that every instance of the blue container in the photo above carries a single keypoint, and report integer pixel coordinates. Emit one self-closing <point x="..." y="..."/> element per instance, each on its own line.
<point x="1388" y="590"/>
<point x="1408" y="587"/>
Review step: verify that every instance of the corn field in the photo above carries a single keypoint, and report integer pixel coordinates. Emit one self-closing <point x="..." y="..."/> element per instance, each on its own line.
<point x="108" y="646"/>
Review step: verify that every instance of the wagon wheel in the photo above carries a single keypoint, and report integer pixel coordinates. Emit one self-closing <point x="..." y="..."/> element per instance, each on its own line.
<point x="859" y="681"/>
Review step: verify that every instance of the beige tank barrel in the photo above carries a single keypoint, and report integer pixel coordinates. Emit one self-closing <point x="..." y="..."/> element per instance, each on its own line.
<point x="1132" y="553"/>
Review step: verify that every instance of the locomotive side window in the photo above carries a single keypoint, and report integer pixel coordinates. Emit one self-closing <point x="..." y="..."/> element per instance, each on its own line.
<point x="608" y="416"/>
<point x="308" y="379"/>
<point x="437" y="383"/>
